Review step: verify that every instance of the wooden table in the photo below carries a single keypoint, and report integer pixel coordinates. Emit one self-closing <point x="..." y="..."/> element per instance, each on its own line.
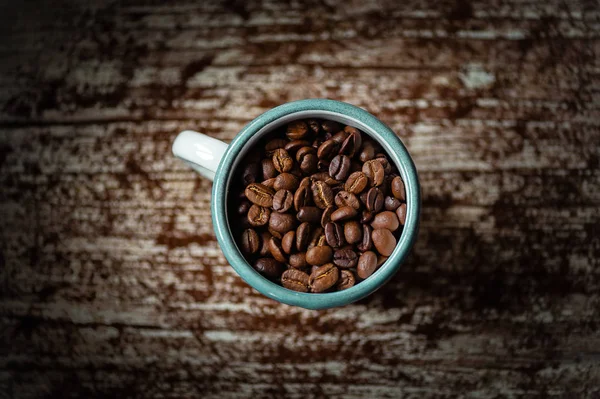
<point x="112" y="282"/>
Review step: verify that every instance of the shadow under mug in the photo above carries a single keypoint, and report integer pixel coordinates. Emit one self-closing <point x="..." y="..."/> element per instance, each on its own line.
<point x="218" y="161"/>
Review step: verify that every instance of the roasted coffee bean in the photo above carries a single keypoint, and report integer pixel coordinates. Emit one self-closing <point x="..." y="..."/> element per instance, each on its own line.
<point x="336" y="189"/>
<point x="398" y="188"/>
<point x="310" y="214"/>
<point x="244" y="207"/>
<point x="343" y="213"/>
<point x="274" y="233"/>
<point x="295" y="280"/>
<point x="344" y="198"/>
<point x="250" y="242"/>
<point x="384" y="241"/>
<point x="298" y="260"/>
<point x="385" y="220"/>
<point x="273" y="145"/>
<point x="366" y="243"/>
<point x="323" y="278"/>
<point x="297" y="130"/>
<point x="268" y="169"/>
<point x="250" y="174"/>
<point x="328" y="150"/>
<point x="367" y="153"/>
<point x="392" y="203"/>
<point x="326" y="217"/>
<point x="282" y="160"/>
<point x="317" y="237"/>
<point x="346" y="280"/>
<point x="288" y="241"/>
<point x="356" y="182"/>
<point x="283" y="201"/>
<point x="324" y="177"/>
<point x="295" y="145"/>
<point x="269" y="183"/>
<point x="314" y="125"/>
<point x="258" y="215"/>
<point x="401" y="214"/>
<point x="303" y="236"/>
<point x="374" y="201"/>
<point x="276" y="250"/>
<point x="381" y="260"/>
<point x="331" y="126"/>
<point x="319" y="255"/>
<point x="260" y="194"/>
<point x="303" y="196"/>
<point x="385" y="163"/>
<point x="367" y="264"/>
<point x="339" y="168"/>
<point x="268" y="267"/>
<point x="367" y="216"/>
<point x="322" y="194"/>
<point x="363" y="196"/>
<point x="296" y="171"/>
<point x="339" y="137"/>
<point x="374" y="172"/>
<point x="351" y="129"/>
<point x="334" y="234"/>
<point x="345" y="258"/>
<point x="286" y="181"/>
<point x="352" y="232"/>
<point x="352" y="144"/>
<point x="307" y="159"/>
<point x="282" y="222"/>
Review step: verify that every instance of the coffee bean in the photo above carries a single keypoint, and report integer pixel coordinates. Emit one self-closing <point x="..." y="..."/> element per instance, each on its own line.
<point x="265" y="236"/>
<point x="367" y="264"/>
<point x="351" y="129"/>
<point x="250" y="242"/>
<point x="339" y="137"/>
<point x="295" y="280"/>
<point x="401" y="214"/>
<point x="282" y="222"/>
<point x="374" y="172"/>
<point x="310" y="214"/>
<point x="258" y="215"/>
<point x="276" y="249"/>
<point x="295" y="145"/>
<point x="324" y="177"/>
<point x="303" y="236"/>
<point x="356" y="182"/>
<point x="343" y="213"/>
<point x="339" y="168"/>
<point x="274" y="233"/>
<point x="319" y="255"/>
<point x="398" y="188"/>
<point x="317" y="237"/>
<point x="286" y="181"/>
<point x="366" y="243"/>
<point x="314" y="125"/>
<point x="282" y="201"/>
<point x="383" y="160"/>
<point x="392" y="203"/>
<point x="323" y="278"/>
<point x="334" y="234"/>
<point x="250" y="174"/>
<point x="303" y="196"/>
<point x="282" y="160"/>
<point x="326" y="217"/>
<point x="331" y="126"/>
<point x="328" y="150"/>
<point x="268" y="267"/>
<point x="244" y="207"/>
<point x="352" y="232"/>
<point x="384" y="241"/>
<point x="345" y="258"/>
<point x="367" y="153"/>
<point x="288" y="241"/>
<point x="322" y="194"/>
<point x="268" y="169"/>
<point x="352" y="144"/>
<point x="274" y="144"/>
<point x="307" y="159"/>
<point x="260" y="194"/>
<point x="385" y="220"/>
<point x="346" y="280"/>
<point x="374" y="201"/>
<point x="269" y="183"/>
<point x="344" y="198"/>
<point x="381" y="260"/>
<point x="367" y="216"/>
<point x="298" y="260"/>
<point x="297" y="130"/>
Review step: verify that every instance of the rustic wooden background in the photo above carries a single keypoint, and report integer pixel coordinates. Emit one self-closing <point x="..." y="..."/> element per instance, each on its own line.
<point x="112" y="282"/>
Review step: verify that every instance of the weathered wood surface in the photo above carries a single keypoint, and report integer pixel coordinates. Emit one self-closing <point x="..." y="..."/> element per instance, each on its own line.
<point x="112" y="282"/>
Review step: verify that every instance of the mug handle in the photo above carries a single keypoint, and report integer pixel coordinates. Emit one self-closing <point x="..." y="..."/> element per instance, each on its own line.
<point x="199" y="151"/>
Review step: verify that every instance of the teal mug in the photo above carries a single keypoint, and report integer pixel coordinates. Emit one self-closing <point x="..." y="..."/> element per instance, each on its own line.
<point x="218" y="161"/>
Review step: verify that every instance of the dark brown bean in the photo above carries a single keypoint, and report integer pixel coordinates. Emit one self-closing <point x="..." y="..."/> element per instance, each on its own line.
<point x="328" y="150"/>
<point x="344" y="198"/>
<point x="323" y="278"/>
<point x="339" y="137"/>
<point x="381" y="260"/>
<point x="282" y="160"/>
<point x="385" y="220"/>
<point x="345" y="258"/>
<point x="326" y="217"/>
<point x="352" y="144"/>
<point x="244" y="207"/>
<point x="295" y="145"/>
<point x="298" y="260"/>
<point x="268" y="267"/>
<point x="250" y="242"/>
<point x="352" y="232"/>
<point x="334" y="234"/>
<point x="367" y="216"/>
<point x="274" y="233"/>
<point x="310" y="214"/>
<point x="258" y="215"/>
<point x="265" y="236"/>
<point x="288" y="242"/>
<point x="339" y="168"/>
<point x="250" y="174"/>
<point x="317" y="237"/>
<point x="273" y="145"/>
<point x="366" y="243"/>
<point x="374" y="201"/>
<point x="295" y="280"/>
<point x="322" y="194"/>
<point x="401" y="214"/>
<point x="307" y="159"/>
<point x="260" y="194"/>
<point x="319" y="255"/>
<point x="392" y="203"/>
<point x="367" y="264"/>
<point x="398" y="188"/>
<point x="343" y="213"/>
<point x="286" y="181"/>
<point x="384" y="241"/>
<point x="331" y="126"/>
<point x="346" y="280"/>
<point x="356" y="182"/>
<point x="367" y="153"/>
<point x="374" y="172"/>
<point x="303" y="196"/>
<point x="383" y="160"/>
<point x="269" y="183"/>
<point x="314" y="125"/>
<point x="324" y="177"/>
<point x="276" y="250"/>
<point x="282" y="222"/>
<point x="303" y="236"/>
<point x="282" y="201"/>
<point x="268" y="169"/>
<point x="297" y="130"/>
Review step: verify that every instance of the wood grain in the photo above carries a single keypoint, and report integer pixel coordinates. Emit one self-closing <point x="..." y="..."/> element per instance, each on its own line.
<point x="113" y="284"/>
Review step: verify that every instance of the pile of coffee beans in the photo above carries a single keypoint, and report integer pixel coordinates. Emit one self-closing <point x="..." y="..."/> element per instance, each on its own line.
<point x="320" y="206"/>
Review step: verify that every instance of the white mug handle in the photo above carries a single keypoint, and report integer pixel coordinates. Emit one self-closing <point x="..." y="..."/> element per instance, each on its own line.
<point x="199" y="151"/>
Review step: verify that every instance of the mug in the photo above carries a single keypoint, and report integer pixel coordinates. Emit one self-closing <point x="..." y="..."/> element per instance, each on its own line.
<point x="218" y="161"/>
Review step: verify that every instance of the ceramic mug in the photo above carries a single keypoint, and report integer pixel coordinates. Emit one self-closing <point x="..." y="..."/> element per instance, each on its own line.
<point x="218" y="161"/>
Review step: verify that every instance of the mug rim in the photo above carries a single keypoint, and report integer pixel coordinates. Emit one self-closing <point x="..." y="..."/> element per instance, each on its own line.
<point x="395" y="149"/>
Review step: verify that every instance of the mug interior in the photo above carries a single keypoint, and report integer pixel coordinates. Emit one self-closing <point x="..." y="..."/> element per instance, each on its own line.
<point x="394" y="150"/>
